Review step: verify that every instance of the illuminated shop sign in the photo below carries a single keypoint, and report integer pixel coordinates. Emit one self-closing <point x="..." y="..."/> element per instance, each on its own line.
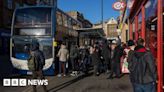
<point x="119" y="6"/>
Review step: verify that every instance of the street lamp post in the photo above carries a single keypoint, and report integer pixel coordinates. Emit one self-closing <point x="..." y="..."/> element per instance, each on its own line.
<point x="102" y="13"/>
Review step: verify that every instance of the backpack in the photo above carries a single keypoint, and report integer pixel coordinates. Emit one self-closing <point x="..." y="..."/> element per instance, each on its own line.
<point x="143" y="69"/>
<point x="32" y="62"/>
<point x="135" y="63"/>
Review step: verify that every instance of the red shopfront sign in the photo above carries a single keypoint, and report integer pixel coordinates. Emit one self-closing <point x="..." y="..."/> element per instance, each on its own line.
<point x="119" y="6"/>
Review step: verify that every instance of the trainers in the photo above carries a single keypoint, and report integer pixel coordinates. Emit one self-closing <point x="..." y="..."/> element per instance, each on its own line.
<point x="107" y="72"/>
<point x="76" y="73"/>
<point x="72" y="74"/>
<point x="64" y="75"/>
<point x="59" y="75"/>
<point x="97" y="74"/>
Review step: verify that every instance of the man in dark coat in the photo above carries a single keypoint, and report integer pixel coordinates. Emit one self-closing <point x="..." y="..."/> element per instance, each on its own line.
<point x="96" y="60"/>
<point x="74" y="53"/>
<point x="106" y="57"/>
<point x="116" y="53"/>
<point x="142" y="68"/>
<point x="40" y="59"/>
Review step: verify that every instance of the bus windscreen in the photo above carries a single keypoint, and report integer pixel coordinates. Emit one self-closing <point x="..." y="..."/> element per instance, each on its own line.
<point x="32" y="21"/>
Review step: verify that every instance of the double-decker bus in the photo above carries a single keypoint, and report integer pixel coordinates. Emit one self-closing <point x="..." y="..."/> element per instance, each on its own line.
<point x="45" y="25"/>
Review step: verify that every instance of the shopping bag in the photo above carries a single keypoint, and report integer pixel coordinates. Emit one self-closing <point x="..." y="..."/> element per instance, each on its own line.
<point x="66" y="64"/>
<point x="124" y="67"/>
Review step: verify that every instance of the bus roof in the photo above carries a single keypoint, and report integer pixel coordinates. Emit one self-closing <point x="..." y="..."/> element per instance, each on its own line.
<point x="25" y="7"/>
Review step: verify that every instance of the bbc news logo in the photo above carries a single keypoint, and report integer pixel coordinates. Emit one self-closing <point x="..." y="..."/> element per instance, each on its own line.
<point x="24" y="82"/>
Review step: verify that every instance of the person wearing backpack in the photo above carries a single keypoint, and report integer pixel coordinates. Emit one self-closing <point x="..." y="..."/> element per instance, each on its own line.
<point x="96" y="60"/>
<point x="143" y="74"/>
<point x="106" y="55"/>
<point x="36" y="62"/>
<point x="74" y="53"/>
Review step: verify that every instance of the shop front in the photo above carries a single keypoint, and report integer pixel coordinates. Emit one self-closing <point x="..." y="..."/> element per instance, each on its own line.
<point x="146" y="21"/>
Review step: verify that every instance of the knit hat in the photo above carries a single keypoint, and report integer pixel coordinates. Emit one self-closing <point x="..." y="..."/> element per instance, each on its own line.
<point x="131" y="43"/>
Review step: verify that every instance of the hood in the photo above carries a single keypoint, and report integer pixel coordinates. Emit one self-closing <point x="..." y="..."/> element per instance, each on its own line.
<point x="35" y="46"/>
<point x="63" y="47"/>
<point x="105" y="46"/>
<point x="140" y="50"/>
<point x="118" y="42"/>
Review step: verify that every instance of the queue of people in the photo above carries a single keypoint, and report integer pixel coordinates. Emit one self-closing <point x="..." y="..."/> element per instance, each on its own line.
<point x="112" y="58"/>
<point x="99" y="56"/>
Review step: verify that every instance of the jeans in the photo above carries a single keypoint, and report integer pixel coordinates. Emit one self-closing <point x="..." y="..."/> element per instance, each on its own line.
<point x="115" y="69"/>
<point x="106" y="64"/>
<point x="35" y="75"/>
<point x="60" y="67"/>
<point x="96" y="69"/>
<point x="75" y="65"/>
<point x="150" y="87"/>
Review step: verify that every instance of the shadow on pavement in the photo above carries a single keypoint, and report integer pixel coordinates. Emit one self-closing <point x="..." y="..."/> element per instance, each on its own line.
<point x="5" y="67"/>
<point x="61" y="86"/>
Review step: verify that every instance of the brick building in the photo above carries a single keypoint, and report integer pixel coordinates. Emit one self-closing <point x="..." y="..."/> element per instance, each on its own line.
<point x="79" y="16"/>
<point x="110" y="28"/>
<point x="6" y="10"/>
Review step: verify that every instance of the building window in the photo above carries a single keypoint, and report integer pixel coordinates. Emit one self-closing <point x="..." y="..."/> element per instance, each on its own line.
<point x="70" y="23"/>
<point x="65" y="20"/>
<point x="59" y="18"/>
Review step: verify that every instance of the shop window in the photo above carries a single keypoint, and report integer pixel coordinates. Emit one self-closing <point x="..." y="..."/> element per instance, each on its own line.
<point x="139" y="23"/>
<point x="127" y="37"/>
<point x="151" y="25"/>
<point x="133" y="29"/>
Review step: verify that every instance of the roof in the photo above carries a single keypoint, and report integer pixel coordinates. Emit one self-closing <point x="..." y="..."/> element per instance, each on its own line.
<point x="96" y="32"/>
<point x="109" y="20"/>
<point x="88" y="29"/>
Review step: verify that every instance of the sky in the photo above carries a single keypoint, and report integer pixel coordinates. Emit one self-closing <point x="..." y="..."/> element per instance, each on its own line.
<point x="91" y="9"/>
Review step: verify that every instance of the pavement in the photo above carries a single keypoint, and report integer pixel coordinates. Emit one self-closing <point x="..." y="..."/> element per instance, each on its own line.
<point x="80" y="83"/>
